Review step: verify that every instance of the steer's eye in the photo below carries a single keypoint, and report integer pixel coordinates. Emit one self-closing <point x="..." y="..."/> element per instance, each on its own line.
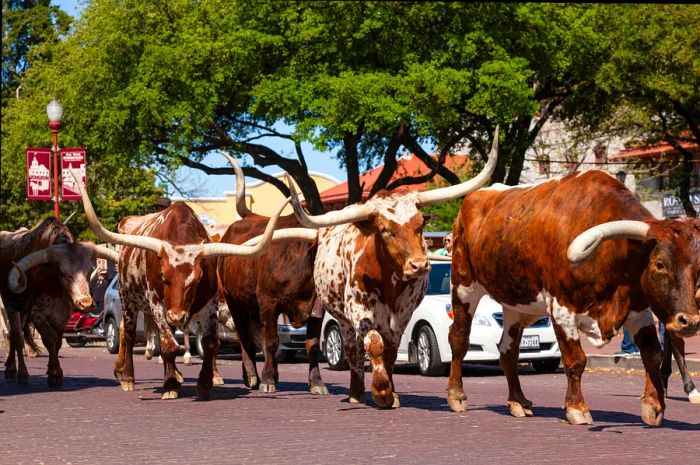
<point x="660" y="266"/>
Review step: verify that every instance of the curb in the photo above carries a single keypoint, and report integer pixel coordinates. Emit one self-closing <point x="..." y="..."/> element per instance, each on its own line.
<point x="632" y="363"/>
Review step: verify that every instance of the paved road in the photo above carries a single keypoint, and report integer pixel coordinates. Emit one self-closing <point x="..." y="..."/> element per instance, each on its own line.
<point x="90" y="420"/>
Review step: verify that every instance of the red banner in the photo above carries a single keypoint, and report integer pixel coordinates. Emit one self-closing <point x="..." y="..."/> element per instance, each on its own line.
<point x="74" y="159"/>
<point x="38" y="173"/>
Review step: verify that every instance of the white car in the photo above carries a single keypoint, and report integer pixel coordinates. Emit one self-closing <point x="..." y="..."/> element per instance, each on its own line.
<point x="425" y="340"/>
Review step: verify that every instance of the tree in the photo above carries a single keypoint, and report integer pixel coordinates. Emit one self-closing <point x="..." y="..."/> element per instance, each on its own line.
<point x="164" y="83"/>
<point x="31" y="33"/>
<point x="27" y="24"/>
<point x="650" y="85"/>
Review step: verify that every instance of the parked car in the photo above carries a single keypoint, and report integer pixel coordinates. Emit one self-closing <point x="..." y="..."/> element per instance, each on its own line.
<point x="292" y="339"/>
<point x="425" y="340"/>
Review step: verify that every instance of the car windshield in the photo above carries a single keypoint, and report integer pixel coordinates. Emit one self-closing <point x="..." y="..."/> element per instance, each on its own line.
<point x="439" y="279"/>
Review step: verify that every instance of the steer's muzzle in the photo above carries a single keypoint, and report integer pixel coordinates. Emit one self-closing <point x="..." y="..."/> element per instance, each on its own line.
<point x="416" y="267"/>
<point x="684" y="324"/>
<point x="84" y="304"/>
<point x="176" y="318"/>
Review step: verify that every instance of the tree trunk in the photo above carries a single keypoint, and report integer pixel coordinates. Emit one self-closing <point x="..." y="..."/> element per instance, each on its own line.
<point x="352" y="166"/>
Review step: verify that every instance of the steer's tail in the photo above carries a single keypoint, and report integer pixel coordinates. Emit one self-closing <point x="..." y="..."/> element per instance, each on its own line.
<point x="33" y="348"/>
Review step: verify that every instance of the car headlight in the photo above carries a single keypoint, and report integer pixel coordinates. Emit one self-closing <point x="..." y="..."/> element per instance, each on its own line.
<point x="480" y="320"/>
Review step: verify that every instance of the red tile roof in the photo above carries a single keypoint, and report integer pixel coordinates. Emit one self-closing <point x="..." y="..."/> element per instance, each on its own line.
<point x="656" y="151"/>
<point x="408" y="166"/>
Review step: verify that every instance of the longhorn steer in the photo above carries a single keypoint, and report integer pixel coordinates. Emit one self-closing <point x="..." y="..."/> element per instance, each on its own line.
<point x="167" y="267"/>
<point x="371" y="272"/>
<point x="258" y="291"/>
<point x="513" y="245"/>
<point x="43" y="295"/>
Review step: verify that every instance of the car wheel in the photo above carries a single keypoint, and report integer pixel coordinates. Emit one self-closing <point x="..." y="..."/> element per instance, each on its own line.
<point x="76" y="341"/>
<point x="429" y="363"/>
<point x="548" y="365"/>
<point x="333" y="349"/>
<point x="112" y="336"/>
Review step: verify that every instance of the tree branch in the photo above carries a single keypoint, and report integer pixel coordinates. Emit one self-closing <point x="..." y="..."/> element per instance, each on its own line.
<point x="390" y="163"/>
<point x="436" y="166"/>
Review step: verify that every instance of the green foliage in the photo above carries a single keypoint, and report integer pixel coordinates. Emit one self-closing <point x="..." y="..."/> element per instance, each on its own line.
<point x="118" y="185"/>
<point x="26" y="25"/>
<point x="156" y="81"/>
<point x="161" y="83"/>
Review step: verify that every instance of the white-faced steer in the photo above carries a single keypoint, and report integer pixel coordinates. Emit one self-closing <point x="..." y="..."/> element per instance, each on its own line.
<point x="43" y="277"/>
<point x="371" y="272"/>
<point x="512" y="244"/>
<point x="167" y="267"/>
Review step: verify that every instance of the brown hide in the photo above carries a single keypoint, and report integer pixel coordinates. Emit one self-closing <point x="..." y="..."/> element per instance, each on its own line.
<point x="14" y="246"/>
<point x="514" y="242"/>
<point x="284" y="274"/>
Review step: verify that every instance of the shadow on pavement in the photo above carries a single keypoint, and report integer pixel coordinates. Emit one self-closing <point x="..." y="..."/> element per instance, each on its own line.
<point x="603" y="420"/>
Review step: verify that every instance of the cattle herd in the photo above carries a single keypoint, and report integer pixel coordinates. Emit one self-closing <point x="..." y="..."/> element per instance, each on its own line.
<point x="580" y="248"/>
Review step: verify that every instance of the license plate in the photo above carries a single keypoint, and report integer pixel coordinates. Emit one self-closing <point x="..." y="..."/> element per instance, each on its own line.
<point x="530" y="342"/>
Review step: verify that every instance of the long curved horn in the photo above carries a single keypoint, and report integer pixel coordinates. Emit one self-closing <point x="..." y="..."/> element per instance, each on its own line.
<point x="218" y="249"/>
<point x="17" y="279"/>
<point x="288" y="234"/>
<point x="70" y="217"/>
<point x="460" y="190"/>
<point x="142" y="242"/>
<point x="349" y="214"/>
<point x="586" y="243"/>
<point x="241" y="207"/>
<point x="106" y="253"/>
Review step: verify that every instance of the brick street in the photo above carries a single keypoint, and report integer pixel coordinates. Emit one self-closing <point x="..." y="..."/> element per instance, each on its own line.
<point x="90" y="420"/>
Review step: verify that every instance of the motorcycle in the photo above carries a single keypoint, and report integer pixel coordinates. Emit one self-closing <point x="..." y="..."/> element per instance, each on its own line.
<point x="83" y="327"/>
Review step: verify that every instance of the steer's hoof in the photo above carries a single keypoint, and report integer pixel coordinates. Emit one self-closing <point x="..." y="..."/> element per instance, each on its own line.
<point x="269" y="388"/>
<point x="55" y="380"/>
<point x="577" y="417"/>
<point x="178" y="376"/>
<point x="11" y="375"/>
<point x="187" y="359"/>
<point x="384" y="401"/>
<point x="518" y="410"/>
<point x="204" y="392"/>
<point x="651" y="416"/>
<point x="127" y="385"/>
<point x="169" y="395"/>
<point x="694" y="397"/>
<point x="252" y="382"/>
<point x="457" y="403"/>
<point x="217" y="381"/>
<point x="357" y="398"/>
<point x="319" y="390"/>
<point x="160" y="359"/>
<point x="396" y="403"/>
<point x="22" y="377"/>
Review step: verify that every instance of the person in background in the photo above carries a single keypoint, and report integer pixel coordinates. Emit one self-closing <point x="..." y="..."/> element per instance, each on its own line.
<point x="447" y="250"/>
<point x="627" y="348"/>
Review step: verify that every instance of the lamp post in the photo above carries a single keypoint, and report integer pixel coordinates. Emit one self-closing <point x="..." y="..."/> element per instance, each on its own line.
<point x="54" y="111"/>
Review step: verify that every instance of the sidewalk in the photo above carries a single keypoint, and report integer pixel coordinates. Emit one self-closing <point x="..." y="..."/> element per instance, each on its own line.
<point x="605" y="356"/>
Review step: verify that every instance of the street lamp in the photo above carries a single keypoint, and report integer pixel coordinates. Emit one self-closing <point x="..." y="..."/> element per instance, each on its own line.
<point x="54" y="111"/>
